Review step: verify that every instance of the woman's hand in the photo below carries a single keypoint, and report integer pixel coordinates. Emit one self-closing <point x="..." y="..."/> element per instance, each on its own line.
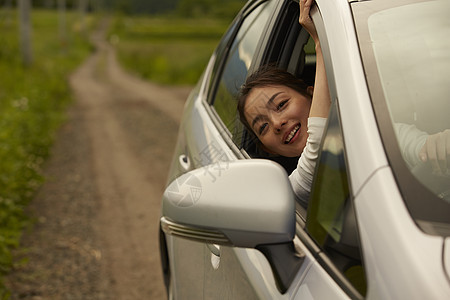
<point x="321" y="96"/>
<point x="437" y="151"/>
<point x="305" y="18"/>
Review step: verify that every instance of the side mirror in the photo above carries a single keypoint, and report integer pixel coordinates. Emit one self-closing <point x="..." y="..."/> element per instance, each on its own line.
<point x="246" y="203"/>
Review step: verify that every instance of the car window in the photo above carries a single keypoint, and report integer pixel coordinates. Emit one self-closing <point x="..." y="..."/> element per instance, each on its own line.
<point x="331" y="220"/>
<point x="235" y="70"/>
<point x="406" y="56"/>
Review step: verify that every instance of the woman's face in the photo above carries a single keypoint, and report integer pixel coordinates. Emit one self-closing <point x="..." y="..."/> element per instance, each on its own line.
<point x="278" y="116"/>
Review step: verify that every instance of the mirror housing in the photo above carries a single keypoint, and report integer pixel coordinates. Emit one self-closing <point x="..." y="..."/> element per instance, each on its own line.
<point x="245" y="203"/>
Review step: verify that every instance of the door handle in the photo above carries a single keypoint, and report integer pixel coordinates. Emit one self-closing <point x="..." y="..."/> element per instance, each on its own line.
<point x="215" y="249"/>
<point x="215" y="255"/>
<point x="184" y="162"/>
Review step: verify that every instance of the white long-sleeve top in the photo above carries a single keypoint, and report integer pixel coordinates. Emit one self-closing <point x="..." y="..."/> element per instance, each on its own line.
<point x="301" y="178"/>
<point x="410" y="140"/>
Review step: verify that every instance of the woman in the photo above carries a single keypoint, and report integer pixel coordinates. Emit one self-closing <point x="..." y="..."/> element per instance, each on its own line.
<point x="287" y="116"/>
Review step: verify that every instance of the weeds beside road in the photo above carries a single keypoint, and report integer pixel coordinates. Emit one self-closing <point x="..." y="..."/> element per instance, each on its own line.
<point x="166" y="50"/>
<point x="32" y="105"/>
<point x="97" y="214"/>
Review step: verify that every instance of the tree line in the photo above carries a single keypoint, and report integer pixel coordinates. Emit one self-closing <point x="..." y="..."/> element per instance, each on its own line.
<point x="183" y="8"/>
<point x="188" y="8"/>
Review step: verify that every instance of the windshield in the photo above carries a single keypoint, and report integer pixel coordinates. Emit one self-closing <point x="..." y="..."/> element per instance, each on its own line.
<point x="405" y="47"/>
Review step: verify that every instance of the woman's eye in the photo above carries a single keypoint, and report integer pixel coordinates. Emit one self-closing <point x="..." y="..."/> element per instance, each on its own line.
<point x="262" y="127"/>
<point x="281" y="104"/>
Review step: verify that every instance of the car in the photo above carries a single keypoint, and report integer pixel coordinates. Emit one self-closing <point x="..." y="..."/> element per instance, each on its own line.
<point x="377" y="225"/>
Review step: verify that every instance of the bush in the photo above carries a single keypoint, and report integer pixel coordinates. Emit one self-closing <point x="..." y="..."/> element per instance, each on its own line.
<point x="32" y="104"/>
<point x="225" y="9"/>
<point x="167" y="50"/>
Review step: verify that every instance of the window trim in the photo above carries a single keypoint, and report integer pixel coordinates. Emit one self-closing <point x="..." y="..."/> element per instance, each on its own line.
<point x="301" y="232"/>
<point x="322" y="258"/>
<point x="278" y="26"/>
<point x="212" y="86"/>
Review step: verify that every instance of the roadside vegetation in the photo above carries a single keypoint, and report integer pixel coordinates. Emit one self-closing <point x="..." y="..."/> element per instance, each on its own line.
<point x="166" y="50"/>
<point x="33" y="100"/>
<point x="173" y="48"/>
<point x="170" y="48"/>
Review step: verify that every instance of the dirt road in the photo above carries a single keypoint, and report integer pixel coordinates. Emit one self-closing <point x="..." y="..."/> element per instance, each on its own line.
<point x="97" y="231"/>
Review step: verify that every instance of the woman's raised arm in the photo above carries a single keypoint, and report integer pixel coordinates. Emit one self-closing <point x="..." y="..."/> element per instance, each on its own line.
<point x="321" y="95"/>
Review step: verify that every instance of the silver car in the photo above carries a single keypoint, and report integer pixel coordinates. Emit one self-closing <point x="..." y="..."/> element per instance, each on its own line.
<point x="377" y="225"/>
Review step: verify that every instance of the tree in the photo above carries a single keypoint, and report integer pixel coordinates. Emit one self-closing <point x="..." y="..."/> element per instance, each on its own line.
<point x="62" y="20"/>
<point x="82" y="8"/>
<point x="212" y="8"/>
<point x="25" y="31"/>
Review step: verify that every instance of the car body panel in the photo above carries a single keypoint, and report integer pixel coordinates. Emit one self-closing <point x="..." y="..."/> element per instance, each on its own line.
<point x="260" y="275"/>
<point x="189" y="286"/>
<point x="318" y="285"/>
<point x="447" y="257"/>
<point x="246" y="266"/>
<point x="221" y="278"/>
<point x="397" y="254"/>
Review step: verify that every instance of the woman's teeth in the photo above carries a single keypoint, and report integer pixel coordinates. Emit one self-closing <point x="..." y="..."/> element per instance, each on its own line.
<point x="291" y="135"/>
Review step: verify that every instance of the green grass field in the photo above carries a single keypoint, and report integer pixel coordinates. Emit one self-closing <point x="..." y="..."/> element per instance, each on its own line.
<point x="166" y="50"/>
<point x="33" y="100"/>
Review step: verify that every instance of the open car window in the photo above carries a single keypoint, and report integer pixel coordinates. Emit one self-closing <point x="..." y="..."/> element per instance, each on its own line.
<point x="289" y="47"/>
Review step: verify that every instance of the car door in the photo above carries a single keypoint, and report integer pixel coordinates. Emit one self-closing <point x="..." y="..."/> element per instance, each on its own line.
<point x="210" y="135"/>
<point x="236" y="273"/>
<point x="233" y="273"/>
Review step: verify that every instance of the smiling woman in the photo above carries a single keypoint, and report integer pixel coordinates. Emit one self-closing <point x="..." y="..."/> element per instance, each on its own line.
<point x="285" y="115"/>
<point x="271" y="104"/>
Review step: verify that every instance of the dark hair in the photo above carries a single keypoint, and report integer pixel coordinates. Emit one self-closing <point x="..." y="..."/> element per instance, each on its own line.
<point x="267" y="75"/>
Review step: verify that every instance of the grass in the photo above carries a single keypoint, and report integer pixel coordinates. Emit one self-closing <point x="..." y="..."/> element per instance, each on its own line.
<point x="168" y="50"/>
<point x="33" y="100"/>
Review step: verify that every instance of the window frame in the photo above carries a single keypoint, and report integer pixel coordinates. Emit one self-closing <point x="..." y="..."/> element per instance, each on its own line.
<point x="323" y="258"/>
<point x="215" y="76"/>
<point x="269" y="40"/>
<point x="301" y="232"/>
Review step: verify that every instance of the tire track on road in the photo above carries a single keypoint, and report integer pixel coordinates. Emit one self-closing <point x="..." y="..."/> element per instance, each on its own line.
<point x="97" y="235"/>
<point x="129" y="204"/>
